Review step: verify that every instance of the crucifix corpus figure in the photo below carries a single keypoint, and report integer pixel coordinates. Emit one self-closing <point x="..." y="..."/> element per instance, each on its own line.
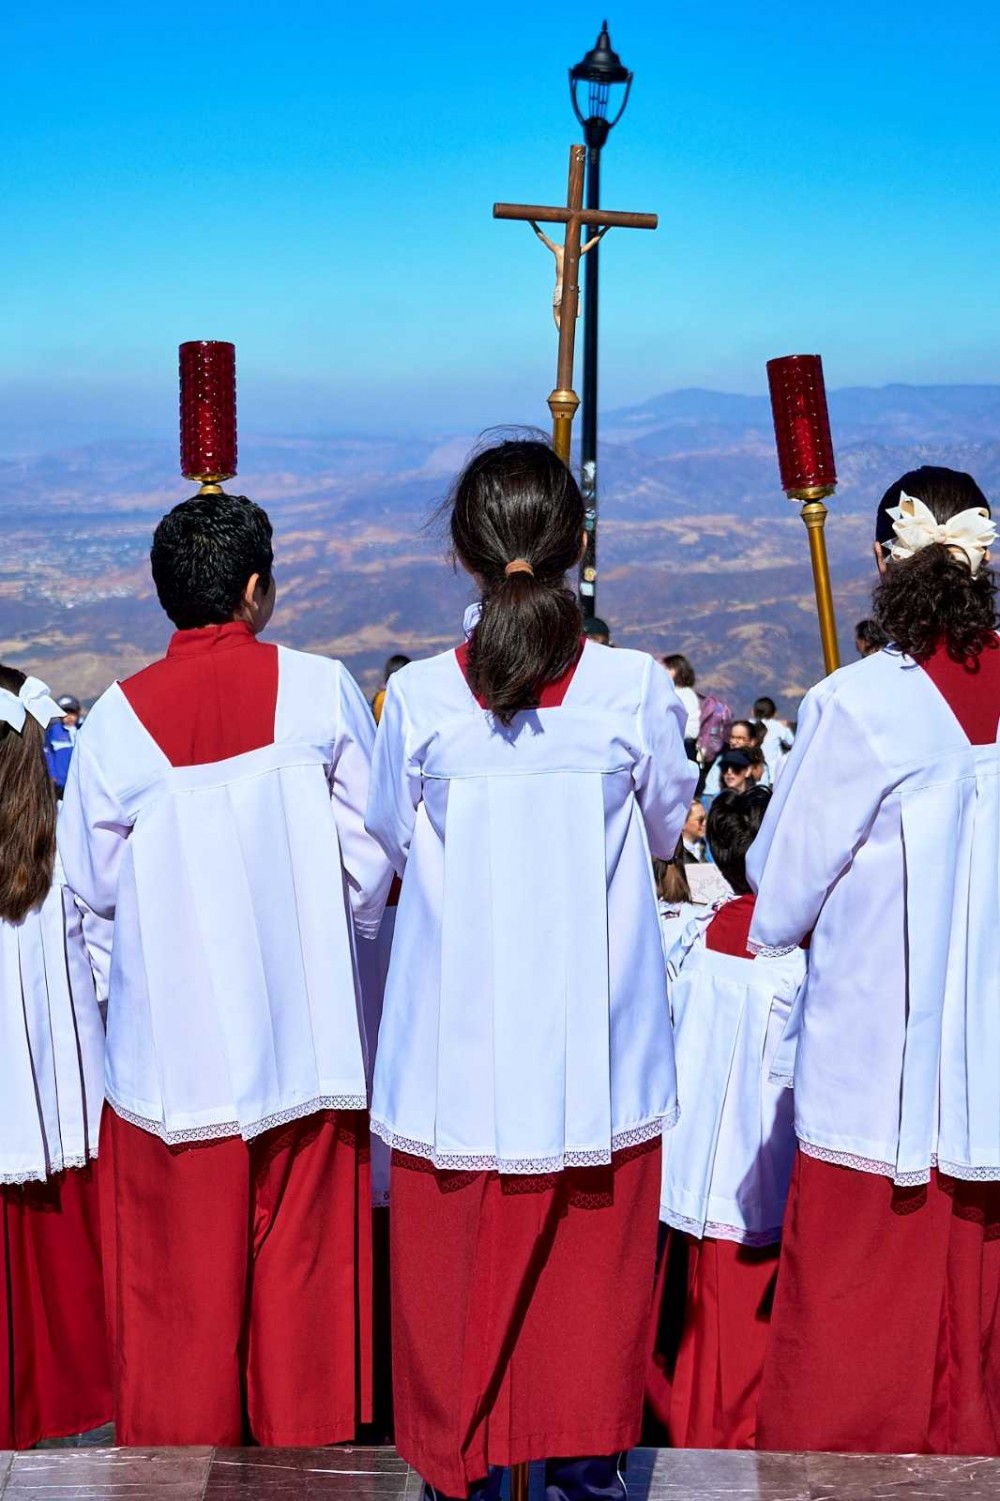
<point x="559" y="251"/>
<point x="564" y="401"/>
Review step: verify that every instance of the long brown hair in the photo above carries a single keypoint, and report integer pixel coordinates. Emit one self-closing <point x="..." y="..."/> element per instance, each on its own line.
<point x="933" y="597"/>
<point x="27" y="813"/>
<point x="671" y="878"/>
<point x="517" y="500"/>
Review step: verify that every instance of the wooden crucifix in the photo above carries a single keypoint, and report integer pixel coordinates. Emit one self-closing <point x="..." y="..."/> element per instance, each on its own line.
<point x="564" y="401"/>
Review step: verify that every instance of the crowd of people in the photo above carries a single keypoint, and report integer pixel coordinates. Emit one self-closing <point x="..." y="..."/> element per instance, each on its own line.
<point x="642" y="1058"/>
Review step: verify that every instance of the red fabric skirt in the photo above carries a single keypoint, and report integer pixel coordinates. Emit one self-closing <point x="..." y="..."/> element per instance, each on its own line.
<point x="711" y="1322"/>
<point x="239" y="1283"/>
<point x="885" y="1335"/>
<point x="520" y="1311"/>
<point x="54" y="1374"/>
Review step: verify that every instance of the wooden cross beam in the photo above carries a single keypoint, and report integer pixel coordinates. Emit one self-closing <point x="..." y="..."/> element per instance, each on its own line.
<point x="564" y="401"/>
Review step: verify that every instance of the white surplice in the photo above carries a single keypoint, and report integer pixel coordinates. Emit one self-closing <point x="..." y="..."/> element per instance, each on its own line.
<point x="51" y="1043"/>
<point x="525" y="1025"/>
<point x="728" y="1161"/>
<point x="236" y="888"/>
<point x="882" y="841"/>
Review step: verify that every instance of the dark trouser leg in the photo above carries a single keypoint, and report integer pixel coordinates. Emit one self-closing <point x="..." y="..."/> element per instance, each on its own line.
<point x="483" y="1490"/>
<point x="597" y="1477"/>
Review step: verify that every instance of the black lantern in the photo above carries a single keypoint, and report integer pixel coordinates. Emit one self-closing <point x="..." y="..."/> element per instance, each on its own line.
<point x="608" y="84"/>
<point x="601" y="70"/>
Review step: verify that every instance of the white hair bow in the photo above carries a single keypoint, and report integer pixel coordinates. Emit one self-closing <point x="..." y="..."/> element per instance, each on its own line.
<point x="32" y="699"/>
<point x="971" y="532"/>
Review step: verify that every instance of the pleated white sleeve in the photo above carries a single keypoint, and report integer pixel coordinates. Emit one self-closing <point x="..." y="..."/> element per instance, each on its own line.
<point x="93" y="829"/>
<point x="664" y="777"/>
<point x="396" y="781"/>
<point x="98" y="933"/>
<point x="821" y="812"/>
<point x="368" y="872"/>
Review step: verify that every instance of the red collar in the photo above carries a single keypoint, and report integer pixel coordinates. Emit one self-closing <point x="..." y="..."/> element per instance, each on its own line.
<point x="729" y="930"/>
<point x="552" y="694"/>
<point x="971" y="690"/>
<point x="211" y="638"/>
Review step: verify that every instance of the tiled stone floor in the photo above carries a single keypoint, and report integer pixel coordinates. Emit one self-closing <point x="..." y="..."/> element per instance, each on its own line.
<point x="78" y="1474"/>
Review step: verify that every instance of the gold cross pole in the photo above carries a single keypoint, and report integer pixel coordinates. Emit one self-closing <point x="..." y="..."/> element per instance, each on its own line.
<point x="564" y="401"/>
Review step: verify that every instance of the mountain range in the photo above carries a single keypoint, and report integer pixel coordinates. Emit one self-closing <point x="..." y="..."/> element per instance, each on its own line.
<point x="699" y="550"/>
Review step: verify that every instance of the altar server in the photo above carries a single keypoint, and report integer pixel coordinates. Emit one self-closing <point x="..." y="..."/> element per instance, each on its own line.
<point x="54" y="1376"/>
<point x="882" y="850"/>
<point x="215" y="811"/>
<point x="727" y="1162"/>
<point x="525" y="1066"/>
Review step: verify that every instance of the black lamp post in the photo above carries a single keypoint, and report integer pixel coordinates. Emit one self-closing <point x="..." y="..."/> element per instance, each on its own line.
<point x="602" y="72"/>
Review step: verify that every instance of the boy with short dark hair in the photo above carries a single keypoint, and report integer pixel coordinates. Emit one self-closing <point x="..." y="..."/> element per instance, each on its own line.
<point x="778" y="738"/>
<point x="727" y="1162"/>
<point x="215" y="811"/>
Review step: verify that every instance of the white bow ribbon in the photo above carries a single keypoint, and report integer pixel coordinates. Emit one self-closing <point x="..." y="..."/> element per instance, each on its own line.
<point x="971" y="532"/>
<point x="32" y="699"/>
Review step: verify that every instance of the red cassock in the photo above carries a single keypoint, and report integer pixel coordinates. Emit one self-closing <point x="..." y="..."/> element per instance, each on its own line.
<point x="54" y="1376"/>
<point x="520" y="1309"/>
<point x="712" y="1307"/>
<point x="886" y="1329"/>
<point x="238" y="1273"/>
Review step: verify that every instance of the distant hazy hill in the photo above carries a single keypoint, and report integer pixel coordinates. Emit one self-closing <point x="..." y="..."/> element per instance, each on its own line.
<point x="699" y="549"/>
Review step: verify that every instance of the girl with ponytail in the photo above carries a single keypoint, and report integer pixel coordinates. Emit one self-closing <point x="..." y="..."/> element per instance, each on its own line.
<point x="54" y="1376"/>
<point x="881" y="847"/>
<point x="525" y="1064"/>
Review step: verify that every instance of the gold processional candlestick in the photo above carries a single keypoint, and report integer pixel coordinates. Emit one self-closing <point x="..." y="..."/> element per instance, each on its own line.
<point x="564" y="401"/>
<point x="808" y="473"/>
<point x="208" y="412"/>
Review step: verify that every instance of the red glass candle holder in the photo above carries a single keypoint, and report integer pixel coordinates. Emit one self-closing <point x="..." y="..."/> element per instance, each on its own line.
<point x="208" y="410"/>
<point x="802" y="426"/>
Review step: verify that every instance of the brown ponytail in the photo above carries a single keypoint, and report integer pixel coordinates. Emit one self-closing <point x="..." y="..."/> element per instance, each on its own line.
<point x="517" y="501"/>
<point x="933" y="598"/>
<point x="27" y="814"/>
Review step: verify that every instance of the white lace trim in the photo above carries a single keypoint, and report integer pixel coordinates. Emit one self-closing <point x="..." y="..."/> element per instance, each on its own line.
<point x="41" y="1174"/>
<point x="218" y="1130"/>
<point x="967" y="1172"/>
<point x="868" y="1164"/>
<point x="771" y="950"/>
<point x="469" y="1162"/>
<point x="714" y="1230"/>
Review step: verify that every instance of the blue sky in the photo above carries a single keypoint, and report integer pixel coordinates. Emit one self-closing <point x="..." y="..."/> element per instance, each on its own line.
<point x="315" y="182"/>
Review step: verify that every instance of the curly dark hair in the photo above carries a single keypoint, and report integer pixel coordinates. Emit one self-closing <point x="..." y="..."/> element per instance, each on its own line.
<point x="933" y="598"/>
<point x="203" y="553"/>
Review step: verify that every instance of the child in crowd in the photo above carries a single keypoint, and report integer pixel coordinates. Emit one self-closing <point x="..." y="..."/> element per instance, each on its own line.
<point x="524" y="1069"/>
<point x="674" y="901"/>
<point x="54" y="1376"/>
<point x="683" y="678"/>
<point x="777" y="739"/>
<point x="727" y="1162"/>
<point x="214" y="810"/>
